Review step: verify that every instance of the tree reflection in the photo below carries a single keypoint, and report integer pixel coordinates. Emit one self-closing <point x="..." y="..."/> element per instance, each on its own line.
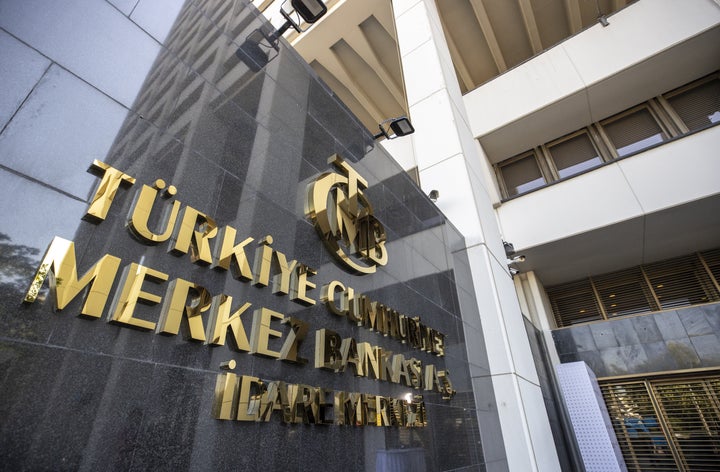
<point x="17" y="267"/>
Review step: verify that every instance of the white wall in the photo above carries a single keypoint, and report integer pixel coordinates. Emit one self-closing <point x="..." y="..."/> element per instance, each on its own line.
<point x="450" y="160"/>
<point x="678" y="172"/>
<point x="649" y="47"/>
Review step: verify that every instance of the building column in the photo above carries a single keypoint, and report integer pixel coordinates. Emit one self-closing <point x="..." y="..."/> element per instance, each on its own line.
<point x="451" y="161"/>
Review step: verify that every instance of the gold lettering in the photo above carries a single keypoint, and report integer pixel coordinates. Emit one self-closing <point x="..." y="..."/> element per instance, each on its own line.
<point x="356" y="305"/>
<point x="351" y="409"/>
<point x="140" y="214"/>
<point x="305" y="405"/>
<point x="299" y="285"/>
<point x="381" y="411"/>
<point x="432" y="381"/>
<point x="298" y="331"/>
<point x="110" y="181"/>
<point x="349" y="351"/>
<point x="186" y="238"/>
<point x="250" y="398"/>
<point x="370" y="314"/>
<point x="275" y="398"/>
<point x="400" y="366"/>
<point x="394" y="330"/>
<point x="221" y="321"/>
<point x="398" y="412"/>
<point x="346" y="303"/>
<point x="176" y="305"/>
<point x="372" y="240"/>
<point x="325" y="402"/>
<point x="339" y="409"/>
<point x="261" y="332"/>
<point x="387" y="370"/>
<point x="413" y="332"/>
<point x="228" y="251"/>
<point x="327" y="350"/>
<point x="60" y="264"/>
<point x="414" y="368"/>
<point x="439" y="343"/>
<point x="448" y="391"/>
<point x="281" y="281"/>
<point x="369" y="360"/>
<point x="123" y="305"/>
<point x="263" y="262"/>
<point x="369" y="403"/>
<point x="327" y="296"/>
<point x="225" y="404"/>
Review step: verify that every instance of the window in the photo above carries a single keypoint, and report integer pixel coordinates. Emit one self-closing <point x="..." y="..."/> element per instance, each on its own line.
<point x="673" y="283"/>
<point x="522" y="174"/>
<point x="633" y="131"/>
<point x="689" y="108"/>
<point x="574" y="155"/>
<point x="680" y="282"/>
<point x="698" y="105"/>
<point x="576" y="302"/>
<point x="668" y="423"/>
<point x="624" y="293"/>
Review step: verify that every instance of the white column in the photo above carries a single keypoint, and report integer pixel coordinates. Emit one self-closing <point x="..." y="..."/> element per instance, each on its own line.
<point x="451" y="161"/>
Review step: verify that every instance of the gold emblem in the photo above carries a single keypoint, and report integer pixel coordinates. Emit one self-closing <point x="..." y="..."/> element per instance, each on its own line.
<point x="344" y="218"/>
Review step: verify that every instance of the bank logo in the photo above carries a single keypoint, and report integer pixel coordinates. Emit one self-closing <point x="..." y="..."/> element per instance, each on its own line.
<point x="343" y="218"/>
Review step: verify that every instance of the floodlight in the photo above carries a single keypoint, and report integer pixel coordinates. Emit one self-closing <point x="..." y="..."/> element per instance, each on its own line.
<point x="400" y="126"/>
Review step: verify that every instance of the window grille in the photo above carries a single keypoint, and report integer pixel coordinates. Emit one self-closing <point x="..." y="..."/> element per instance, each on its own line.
<point x="681" y="282"/>
<point x="673" y="283"/>
<point x="634" y="131"/>
<point x="574" y="155"/>
<point x="522" y="175"/>
<point x="686" y="109"/>
<point x="712" y="260"/>
<point x="574" y="303"/>
<point x="698" y="106"/>
<point x="666" y="424"/>
<point x="624" y="293"/>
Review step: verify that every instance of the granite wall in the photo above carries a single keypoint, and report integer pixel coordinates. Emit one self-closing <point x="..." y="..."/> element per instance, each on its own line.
<point x="680" y="339"/>
<point x="200" y="95"/>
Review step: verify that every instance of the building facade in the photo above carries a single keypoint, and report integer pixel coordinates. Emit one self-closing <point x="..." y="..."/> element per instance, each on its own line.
<point x="572" y="145"/>
<point x="584" y="133"/>
<point x="206" y="263"/>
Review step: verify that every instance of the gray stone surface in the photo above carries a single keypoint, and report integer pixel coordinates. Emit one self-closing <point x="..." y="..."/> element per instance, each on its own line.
<point x="240" y="139"/>
<point x="681" y="339"/>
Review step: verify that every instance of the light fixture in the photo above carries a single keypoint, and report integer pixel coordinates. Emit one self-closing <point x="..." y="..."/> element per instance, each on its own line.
<point x="309" y="10"/>
<point x="509" y="249"/>
<point x="434" y="195"/>
<point x="512" y="258"/>
<point x="601" y="16"/>
<point x="251" y="52"/>
<point x="399" y="126"/>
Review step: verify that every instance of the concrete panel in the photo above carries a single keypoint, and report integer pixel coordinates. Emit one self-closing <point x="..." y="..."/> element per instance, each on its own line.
<point x="689" y="166"/>
<point x="578" y="205"/>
